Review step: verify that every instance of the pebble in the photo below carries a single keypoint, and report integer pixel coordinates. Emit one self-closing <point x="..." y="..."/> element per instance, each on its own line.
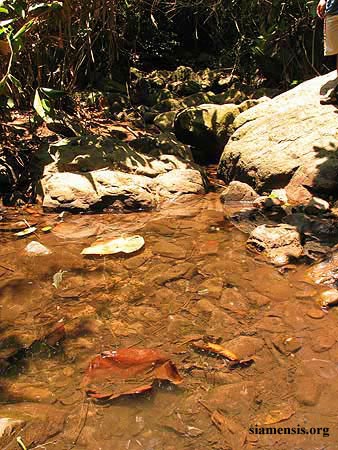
<point x="68" y="371"/>
<point x="329" y="298"/>
<point x="315" y="313"/>
<point x="34" y="248"/>
<point x="307" y="392"/>
<point x="322" y="343"/>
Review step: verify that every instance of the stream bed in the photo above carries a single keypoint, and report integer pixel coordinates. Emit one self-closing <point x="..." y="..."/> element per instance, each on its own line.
<point x="193" y="282"/>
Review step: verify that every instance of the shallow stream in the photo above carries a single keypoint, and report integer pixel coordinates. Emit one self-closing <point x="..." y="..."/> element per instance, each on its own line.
<point x="193" y="282"/>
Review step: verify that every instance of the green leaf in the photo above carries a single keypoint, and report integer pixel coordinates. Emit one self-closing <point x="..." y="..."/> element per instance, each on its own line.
<point x="56" y="5"/>
<point x="38" y="106"/>
<point x="40" y="8"/>
<point x="23" y="29"/>
<point x="52" y="93"/>
<point x="15" y="81"/>
<point x="3" y="10"/>
<point x="46" y="105"/>
<point x="10" y="103"/>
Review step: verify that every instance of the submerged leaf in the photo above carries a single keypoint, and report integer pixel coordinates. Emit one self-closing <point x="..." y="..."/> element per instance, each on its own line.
<point x="26" y="232"/>
<point x="234" y="360"/>
<point x="218" y="349"/>
<point x="127" y="372"/>
<point x="46" y="229"/>
<point x="121" y="245"/>
<point x="284" y="412"/>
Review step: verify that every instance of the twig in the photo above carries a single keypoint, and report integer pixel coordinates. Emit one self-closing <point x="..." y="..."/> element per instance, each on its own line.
<point x="83" y="424"/>
<point x="7" y="268"/>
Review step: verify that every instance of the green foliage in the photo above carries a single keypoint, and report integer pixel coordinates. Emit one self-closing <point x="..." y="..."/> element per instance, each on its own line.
<point x="13" y="32"/>
<point x="87" y="43"/>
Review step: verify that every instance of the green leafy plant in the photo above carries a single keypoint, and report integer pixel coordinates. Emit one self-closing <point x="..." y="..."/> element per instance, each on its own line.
<point x="19" y="19"/>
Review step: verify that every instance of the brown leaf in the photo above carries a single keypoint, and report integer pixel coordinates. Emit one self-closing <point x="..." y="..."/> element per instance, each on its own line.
<point x="280" y="414"/>
<point x="128" y="371"/>
<point x="218" y="349"/>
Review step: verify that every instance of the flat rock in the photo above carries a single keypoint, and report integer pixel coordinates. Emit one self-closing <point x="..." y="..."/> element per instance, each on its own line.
<point x="232" y="399"/>
<point x="169" y="250"/>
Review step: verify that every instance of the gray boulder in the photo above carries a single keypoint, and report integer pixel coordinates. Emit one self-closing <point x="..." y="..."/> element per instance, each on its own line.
<point x="93" y="173"/>
<point x="276" y="138"/>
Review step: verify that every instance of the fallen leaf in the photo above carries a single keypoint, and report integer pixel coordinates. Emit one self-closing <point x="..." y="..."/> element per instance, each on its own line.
<point x="46" y="229"/>
<point x="121" y="245"/>
<point x="218" y="349"/>
<point x="128" y="371"/>
<point x="26" y="232"/>
<point x="284" y="412"/>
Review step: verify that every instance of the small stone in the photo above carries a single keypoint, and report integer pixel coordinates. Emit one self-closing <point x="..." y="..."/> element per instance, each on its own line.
<point x="315" y="313"/>
<point x="232" y="398"/>
<point x="328" y="298"/>
<point x="279" y="194"/>
<point x="287" y="346"/>
<point x="316" y="206"/>
<point x="292" y="345"/>
<point x="244" y="346"/>
<point x="277" y="243"/>
<point x="34" y="248"/>
<point x="258" y="299"/>
<point x="68" y="371"/>
<point x="307" y="392"/>
<point x="260" y="201"/>
<point x="212" y="287"/>
<point x="322" y="343"/>
<point x="238" y="192"/>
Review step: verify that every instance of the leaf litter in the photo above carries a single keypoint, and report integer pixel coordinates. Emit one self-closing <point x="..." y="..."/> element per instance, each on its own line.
<point x="114" y="374"/>
<point x="219" y="350"/>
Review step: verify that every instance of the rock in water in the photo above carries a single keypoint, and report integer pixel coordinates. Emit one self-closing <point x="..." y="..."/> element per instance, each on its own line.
<point x="277" y="243"/>
<point x="274" y="139"/>
<point x="93" y="173"/>
<point x="325" y="272"/>
<point x="34" y="248"/>
<point x="238" y="192"/>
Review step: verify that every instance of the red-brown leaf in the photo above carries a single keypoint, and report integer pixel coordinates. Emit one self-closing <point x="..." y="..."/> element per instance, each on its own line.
<point x="108" y="373"/>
